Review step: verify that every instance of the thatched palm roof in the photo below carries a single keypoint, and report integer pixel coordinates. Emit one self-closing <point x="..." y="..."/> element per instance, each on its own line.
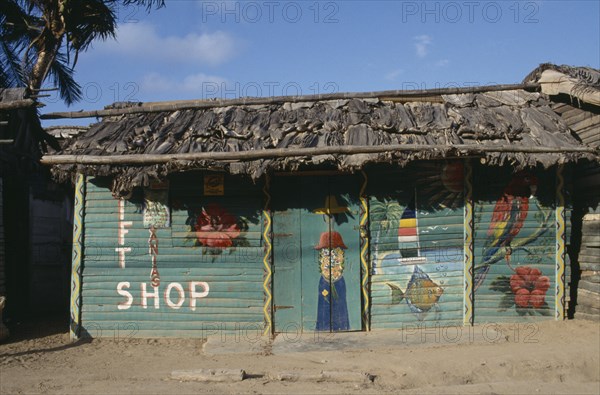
<point x="22" y="139"/>
<point x="575" y="93"/>
<point x="136" y="142"/>
<point x="581" y="83"/>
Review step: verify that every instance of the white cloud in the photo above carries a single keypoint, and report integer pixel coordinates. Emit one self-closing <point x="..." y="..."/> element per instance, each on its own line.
<point x="421" y="44"/>
<point x="442" y="63"/>
<point x="199" y="84"/>
<point x="142" y="41"/>
<point x="392" y="75"/>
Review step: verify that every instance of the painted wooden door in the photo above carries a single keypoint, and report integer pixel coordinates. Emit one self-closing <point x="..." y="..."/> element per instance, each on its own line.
<point x="316" y="254"/>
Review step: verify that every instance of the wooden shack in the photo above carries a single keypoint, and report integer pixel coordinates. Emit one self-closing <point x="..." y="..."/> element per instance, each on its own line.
<point x="341" y="212"/>
<point x="35" y="214"/>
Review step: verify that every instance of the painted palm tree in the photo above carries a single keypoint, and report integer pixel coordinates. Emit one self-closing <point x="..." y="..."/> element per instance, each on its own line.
<point x="43" y="38"/>
<point x="386" y="212"/>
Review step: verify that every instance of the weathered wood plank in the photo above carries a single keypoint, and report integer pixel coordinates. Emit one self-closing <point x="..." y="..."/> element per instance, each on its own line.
<point x="195" y="328"/>
<point x="221" y="285"/>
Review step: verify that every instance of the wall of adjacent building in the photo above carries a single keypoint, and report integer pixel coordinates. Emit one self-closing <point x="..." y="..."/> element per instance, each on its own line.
<point x="587" y="194"/>
<point x="2" y="250"/>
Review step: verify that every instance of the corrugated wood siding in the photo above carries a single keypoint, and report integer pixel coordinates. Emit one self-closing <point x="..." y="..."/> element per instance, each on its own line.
<point x="234" y="273"/>
<point x="533" y="245"/>
<point x="49" y="254"/>
<point x="429" y="288"/>
<point x="2" y="250"/>
<point x="582" y="121"/>
<point x="587" y="193"/>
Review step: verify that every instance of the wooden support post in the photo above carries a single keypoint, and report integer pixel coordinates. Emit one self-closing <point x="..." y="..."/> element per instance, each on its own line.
<point x="76" y="266"/>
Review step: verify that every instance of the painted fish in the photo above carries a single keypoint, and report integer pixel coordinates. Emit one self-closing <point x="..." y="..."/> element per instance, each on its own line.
<point x="421" y="293"/>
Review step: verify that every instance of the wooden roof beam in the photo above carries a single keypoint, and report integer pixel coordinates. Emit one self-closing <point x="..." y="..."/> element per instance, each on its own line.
<point x="395" y="95"/>
<point x="149" y="159"/>
<point x="16" y="104"/>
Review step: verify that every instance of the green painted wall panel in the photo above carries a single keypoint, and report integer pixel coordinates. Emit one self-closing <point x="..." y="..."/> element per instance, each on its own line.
<point x="221" y="284"/>
<point x="201" y="328"/>
<point x="208" y="279"/>
<point x="97" y="256"/>
<point x="419" y="281"/>
<point x="514" y="245"/>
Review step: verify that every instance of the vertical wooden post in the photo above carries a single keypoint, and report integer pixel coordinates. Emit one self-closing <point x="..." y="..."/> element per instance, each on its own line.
<point x="76" y="267"/>
<point x="468" y="244"/>
<point x="267" y="260"/>
<point x="560" y="244"/>
<point x="364" y="253"/>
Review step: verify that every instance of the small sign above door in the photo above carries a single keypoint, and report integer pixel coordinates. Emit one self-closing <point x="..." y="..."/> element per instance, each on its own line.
<point x="214" y="185"/>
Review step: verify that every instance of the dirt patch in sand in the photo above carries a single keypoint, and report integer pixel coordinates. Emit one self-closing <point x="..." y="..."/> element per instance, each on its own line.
<point x="553" y="357"/>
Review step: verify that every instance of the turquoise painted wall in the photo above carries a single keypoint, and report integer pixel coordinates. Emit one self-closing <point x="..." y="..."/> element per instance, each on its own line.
<point x="209" y="262"/>
<point x="518" y="274"/>
<point x="210" y="253"/>
<point x="417" y="282"/>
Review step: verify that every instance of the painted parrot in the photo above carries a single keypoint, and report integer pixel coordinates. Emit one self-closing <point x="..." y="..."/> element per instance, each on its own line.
<point x="507" y="220"/>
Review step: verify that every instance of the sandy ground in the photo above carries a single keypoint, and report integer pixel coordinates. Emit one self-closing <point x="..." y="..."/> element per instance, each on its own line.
<point x="553" y="357"/>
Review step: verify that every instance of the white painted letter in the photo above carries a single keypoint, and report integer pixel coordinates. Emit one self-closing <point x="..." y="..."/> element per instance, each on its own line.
<point x="122" y="251"/>
<point x="196" y="295"/>
<point x="121" y="234"/>
<point x="127" y="304"/>
<point x="181" y="292"/>
<point x="154" y="294"/>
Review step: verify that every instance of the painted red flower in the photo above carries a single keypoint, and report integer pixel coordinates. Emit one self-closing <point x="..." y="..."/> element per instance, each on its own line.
<point x="215" y="227"/>
<point x="529" y="287"/>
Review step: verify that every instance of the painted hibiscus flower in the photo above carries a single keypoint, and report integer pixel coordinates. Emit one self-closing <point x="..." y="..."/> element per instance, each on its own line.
<point x="216" y="228"/>
<point x="529" y="287"/>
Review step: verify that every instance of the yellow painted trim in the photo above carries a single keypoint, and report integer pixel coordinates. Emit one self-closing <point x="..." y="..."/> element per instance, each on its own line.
<point x="267" y="261"/>
<point x="364" y="253"/>
<point x="560" y="244"/>
<point x="468" y="247"/>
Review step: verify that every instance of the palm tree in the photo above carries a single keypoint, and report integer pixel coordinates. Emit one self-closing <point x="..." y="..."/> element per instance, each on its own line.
<point x="386" y="212"/>
<point x="43" y="38"/>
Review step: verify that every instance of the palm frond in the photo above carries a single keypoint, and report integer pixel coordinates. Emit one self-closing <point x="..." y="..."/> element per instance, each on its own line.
<point x="146" y="3"/>
<point x="12" y="42"/>
<point x="11" y="72"/>
<point x="89" y="20"/>
<point x="62" y="74"/>
<point x="27" y="31"/>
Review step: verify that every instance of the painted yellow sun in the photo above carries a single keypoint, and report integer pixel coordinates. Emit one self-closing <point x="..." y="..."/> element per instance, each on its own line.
<point x="442" y="183"/>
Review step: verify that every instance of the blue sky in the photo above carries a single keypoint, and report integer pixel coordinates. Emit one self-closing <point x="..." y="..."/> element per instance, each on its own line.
<point x="225" y="49"/>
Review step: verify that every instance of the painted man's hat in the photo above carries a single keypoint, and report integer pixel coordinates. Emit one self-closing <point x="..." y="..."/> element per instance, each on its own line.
<point x="331" y="240"/>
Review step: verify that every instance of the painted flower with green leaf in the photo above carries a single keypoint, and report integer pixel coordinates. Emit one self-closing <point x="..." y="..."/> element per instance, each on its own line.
<point x="525" y="290"/>
<point x="529" y="287"/>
